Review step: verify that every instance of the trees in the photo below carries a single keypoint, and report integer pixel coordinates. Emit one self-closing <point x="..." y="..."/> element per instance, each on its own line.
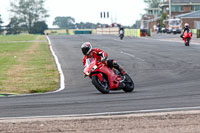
<point x="0" y="24"/>
<point x="0" y="20"/>
<point x="86" y="25"/>
<point x="13" y="26"/>
<point x="39" y="27"/>
<point x="64" y="22"/>
<point x="28" y="12"/>
<point x="69" y="23"/>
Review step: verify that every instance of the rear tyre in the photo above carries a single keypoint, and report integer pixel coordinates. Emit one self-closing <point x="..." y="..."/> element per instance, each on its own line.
<point x="102" y="86"/>
<point x="121" y="37"/>
<point x="129" y="84"/>
<point x="188" y="42"/>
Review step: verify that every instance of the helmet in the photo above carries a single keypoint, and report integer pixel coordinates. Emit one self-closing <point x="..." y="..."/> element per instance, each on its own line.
<point x="186" y="25"/>
<point x="86" y="48"/>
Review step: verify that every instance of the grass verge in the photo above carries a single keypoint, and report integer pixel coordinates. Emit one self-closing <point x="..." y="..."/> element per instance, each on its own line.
<point x="26" y="67"/>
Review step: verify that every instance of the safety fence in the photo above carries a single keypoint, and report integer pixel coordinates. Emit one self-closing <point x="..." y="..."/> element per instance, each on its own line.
<point x="70" y="31"/>
<point x="101" y="31"/>
<point x="107" y="31"/>
<point x="132" y="32"/>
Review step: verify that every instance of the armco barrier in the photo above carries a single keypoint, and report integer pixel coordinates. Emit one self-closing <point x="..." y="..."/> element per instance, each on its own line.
<point x="55" y="31"/>
<point x="69" y="31"/>
<point x="82" y="32"/>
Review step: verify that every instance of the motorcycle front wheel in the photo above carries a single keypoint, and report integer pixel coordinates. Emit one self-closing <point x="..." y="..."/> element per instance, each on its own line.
<point x="102" y="86"/>
<point x="129" y="84"/>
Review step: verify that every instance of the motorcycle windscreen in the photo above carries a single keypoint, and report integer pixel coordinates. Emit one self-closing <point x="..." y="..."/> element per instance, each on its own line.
<point x="90" y="62"/>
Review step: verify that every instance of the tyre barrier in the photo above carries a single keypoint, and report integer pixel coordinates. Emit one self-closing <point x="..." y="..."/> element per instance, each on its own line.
<point x="145" y="32"/>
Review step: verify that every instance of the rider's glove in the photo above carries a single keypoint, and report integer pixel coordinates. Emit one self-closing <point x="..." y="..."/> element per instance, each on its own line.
<point x="103" y="58"/>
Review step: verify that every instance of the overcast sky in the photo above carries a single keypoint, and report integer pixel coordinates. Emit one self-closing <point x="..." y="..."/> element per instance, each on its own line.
<point x="125" y="12"/>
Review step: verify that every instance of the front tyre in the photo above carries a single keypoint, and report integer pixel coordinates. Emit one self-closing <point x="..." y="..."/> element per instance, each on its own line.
<point x="188" y="41"/>
<point x="129" y="84"/>
<point x="102" y="86"/>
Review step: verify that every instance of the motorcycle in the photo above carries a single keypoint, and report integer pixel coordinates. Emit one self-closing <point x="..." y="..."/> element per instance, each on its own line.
<point x="187" y="37"/>
<point x="106" y="79"/>
<point x="121" y="36"/>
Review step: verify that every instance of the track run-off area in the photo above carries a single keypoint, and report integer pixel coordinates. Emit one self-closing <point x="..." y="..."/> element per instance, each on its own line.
<point x="165" y="72"/>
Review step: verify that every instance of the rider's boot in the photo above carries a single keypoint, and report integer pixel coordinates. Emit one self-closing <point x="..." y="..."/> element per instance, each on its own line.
<point x="116" y="66"/>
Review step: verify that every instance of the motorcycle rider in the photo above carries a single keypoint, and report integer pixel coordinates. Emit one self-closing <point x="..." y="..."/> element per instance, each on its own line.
<point x="100" y="55"/>
<point x="185" y="28"/>
<point x="121" y="32"/>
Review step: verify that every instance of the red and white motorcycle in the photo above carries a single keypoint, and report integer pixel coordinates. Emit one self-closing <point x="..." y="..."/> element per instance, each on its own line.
<point x="106" y="79"/>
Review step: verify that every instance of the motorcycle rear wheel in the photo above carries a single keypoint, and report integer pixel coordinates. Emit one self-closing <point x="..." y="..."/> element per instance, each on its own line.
<point x="129" y="84"/>
<point x="102" y="86"/>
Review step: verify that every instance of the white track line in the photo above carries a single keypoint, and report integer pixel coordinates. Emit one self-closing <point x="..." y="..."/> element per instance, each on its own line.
<point x="132" y="55"/>
<point x="62" y="78"/>
<point x="119" y="40"/>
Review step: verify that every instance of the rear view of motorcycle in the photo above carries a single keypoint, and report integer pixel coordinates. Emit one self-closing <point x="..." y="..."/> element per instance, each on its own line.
<point x="121" y="33"/>
<point x="121" y="36"/>
<point x="187" y="37"/>
<point x="106" y="79"/>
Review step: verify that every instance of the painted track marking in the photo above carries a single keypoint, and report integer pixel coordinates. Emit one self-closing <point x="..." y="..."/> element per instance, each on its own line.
<point x="109" y="113"/>
<point x="62" y="78"/>
<point x="132" y="56"/>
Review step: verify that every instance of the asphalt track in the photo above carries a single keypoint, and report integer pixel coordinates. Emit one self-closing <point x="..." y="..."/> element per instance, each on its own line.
<point x="166" y="76"/>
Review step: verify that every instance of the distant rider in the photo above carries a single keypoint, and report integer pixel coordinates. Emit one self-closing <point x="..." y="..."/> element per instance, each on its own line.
<point x="185" y="28"/>
<point x="121" y="31"/>
<point x="100" y="55"/>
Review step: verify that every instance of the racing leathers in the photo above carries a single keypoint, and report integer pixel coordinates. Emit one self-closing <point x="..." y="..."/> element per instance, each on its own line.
<point x="102" y="56"/>
<point x="184" y="30"/>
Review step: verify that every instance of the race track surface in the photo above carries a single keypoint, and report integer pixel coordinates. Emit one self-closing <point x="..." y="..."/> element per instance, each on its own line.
<point x="166" y="75"/>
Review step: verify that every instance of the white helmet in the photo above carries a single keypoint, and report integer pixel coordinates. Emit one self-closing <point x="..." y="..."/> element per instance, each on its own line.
<point x="186" y="25"/>
<point x="86" y="48"/>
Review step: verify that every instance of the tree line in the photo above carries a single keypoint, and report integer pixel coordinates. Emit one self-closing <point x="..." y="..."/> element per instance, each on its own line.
<point x="27" y="16"/>
<point x="67" y="22"/>
<point x="30" y="16"/>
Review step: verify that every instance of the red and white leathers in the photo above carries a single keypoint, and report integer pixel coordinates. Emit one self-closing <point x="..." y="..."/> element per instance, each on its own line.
<point x="96" y="53"/>
<point x="100" y="55"/>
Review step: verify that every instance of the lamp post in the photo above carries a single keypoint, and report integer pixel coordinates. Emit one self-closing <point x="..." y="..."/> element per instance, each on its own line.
<point x="170" y="8"/>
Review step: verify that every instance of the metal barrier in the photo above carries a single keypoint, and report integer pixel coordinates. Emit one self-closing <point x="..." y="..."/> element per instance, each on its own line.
<point x="82" y="32"/>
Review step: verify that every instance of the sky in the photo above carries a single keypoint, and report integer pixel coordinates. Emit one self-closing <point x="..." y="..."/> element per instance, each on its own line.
<point x="125" y="12"/>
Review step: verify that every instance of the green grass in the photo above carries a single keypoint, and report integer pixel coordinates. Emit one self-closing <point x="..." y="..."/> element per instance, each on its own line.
<point x="22" y="37"/>
<point x="26" y="67"/>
